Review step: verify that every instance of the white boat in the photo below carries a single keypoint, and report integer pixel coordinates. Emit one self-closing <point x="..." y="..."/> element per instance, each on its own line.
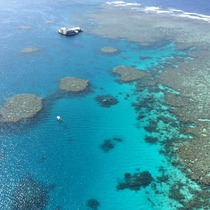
<point x="59" y="118"/>
<point x="69" y="31"/>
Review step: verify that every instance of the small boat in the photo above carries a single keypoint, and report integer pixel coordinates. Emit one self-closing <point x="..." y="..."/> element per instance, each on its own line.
<point x="59" y="118"/>
<point x="69" y="31"/>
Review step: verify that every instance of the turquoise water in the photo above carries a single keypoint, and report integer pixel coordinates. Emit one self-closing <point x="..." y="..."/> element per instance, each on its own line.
<point x="67" y="155"/>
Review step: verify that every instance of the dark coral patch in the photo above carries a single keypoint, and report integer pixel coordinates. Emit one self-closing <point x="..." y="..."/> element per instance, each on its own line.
<point x="93" y="203"/>
<point x="117" y="139"/>
<point x="30" y="194"/>
<point x="107" y="145"/>
<point x="107" y="100"/>
<point x="175" y="192"/>
<point x="151" y="128"/>
<point x="145" y="57"/>
<point x="151" y="139"/>
<point x="135" y="181"/>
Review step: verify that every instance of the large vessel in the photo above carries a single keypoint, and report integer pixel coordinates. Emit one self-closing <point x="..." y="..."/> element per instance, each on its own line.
<point x="69" y="31"/>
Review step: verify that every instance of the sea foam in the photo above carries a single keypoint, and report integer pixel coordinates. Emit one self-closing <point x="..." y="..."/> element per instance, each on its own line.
<point x="159" y="10"/>
<point x="122" y="3"/>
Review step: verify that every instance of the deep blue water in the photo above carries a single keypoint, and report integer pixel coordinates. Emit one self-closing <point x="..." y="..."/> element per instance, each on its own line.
<point x="67" y="155"/>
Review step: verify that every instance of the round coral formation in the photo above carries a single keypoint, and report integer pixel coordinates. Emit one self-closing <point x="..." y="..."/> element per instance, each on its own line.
<point x="106" y="100"/>
<point x="109" y="50"/>
<point x="128" y="73"/>
<point x="73" y="84"/>
<point x="21" y="106"/>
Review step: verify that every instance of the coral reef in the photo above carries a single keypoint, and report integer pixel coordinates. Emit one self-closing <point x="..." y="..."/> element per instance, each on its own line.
<point x="109" y="50"/>
<point x="199" y="200"/>
<point x="30" y="194"/>
<point x="152" y="127"/>
<point x="21" y="106"/>
<point x="107" y="145"/>
<point x="135" y="181"/>
<point x="145" y="58"/>
<point x="187" y="75"/>
<point x="151" y="139"/>
<point x="106" y="100"/>
<point x="128" y="73"/>
<point x="194" y="157"/>
<point x="191" y="106"/>
<point x="151" y="29"/>
<point x="73" y="84"/>
<point x="175" y="192"/>
<point x="93" y="203"/>
<point x="117" y="139"/>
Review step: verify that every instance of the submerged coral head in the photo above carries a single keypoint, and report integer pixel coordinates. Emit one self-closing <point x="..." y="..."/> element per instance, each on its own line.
<point x="107" y="100"/>
<point x="135" y="181"/>
<point x="30" y="194"/>
<point x="93" y="203"/>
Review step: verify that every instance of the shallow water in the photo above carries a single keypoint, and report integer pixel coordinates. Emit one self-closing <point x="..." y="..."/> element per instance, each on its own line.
<point x="67" y="154"/>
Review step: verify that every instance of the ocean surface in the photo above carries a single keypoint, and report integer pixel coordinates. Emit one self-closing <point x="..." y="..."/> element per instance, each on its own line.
<point x="64" y="162"/>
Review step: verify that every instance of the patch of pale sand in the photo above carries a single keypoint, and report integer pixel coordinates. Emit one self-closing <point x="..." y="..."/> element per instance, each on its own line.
<point x="24" y="27"/>
<point x="29" y="50"/>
